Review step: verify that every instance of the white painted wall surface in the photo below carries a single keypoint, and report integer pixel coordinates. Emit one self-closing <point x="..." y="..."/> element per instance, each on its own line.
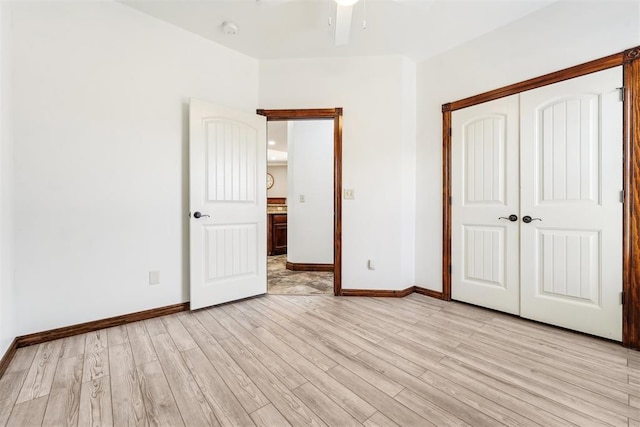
<point x="7" y="299"/>
<point x="101" y="164"/>
<point x="279" y="174"/>
<point x="100" y="154"/>
<point x="559" y="36"/>
<point x="310" y="164"/>
<point x="378" y="154"/>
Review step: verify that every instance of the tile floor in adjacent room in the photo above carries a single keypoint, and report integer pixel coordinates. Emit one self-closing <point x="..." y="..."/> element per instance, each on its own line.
<point x="283" y="281"/>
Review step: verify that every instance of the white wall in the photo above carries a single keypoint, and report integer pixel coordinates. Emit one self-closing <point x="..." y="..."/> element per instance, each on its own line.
<point x="378" y="154"/>
<point x="101" y="172"/>
<point x="310" y="223"/>
<point x="99" y="159"/>
<point x="279" y="174"/>
<point x="7" y="300"/>
<point x="559" y="36"/>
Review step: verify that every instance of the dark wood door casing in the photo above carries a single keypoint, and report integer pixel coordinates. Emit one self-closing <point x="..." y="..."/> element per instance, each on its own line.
<point x="334" y="114"/>
<point x="630" y="61"/>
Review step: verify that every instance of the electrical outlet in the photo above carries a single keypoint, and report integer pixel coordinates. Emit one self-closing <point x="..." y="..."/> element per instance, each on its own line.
<point x="154" y="278"/>
<point x="349" y="194"/>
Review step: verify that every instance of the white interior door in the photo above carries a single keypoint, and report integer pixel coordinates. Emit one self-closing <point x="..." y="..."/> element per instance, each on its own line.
<point x="484" y="187"/>
<point x="571" y="178"/>
<point x="227" y="204"/>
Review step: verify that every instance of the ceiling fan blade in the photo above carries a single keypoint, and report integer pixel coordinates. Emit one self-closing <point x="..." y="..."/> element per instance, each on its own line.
<point x="343" y="24"/>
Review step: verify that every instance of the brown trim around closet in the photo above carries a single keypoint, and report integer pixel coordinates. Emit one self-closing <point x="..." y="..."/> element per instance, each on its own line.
<point x="547" y="79"/>
<point x="446" y="202"/>
<point x="631" y="210"/>
<point x="336" y="115"/>
<point x="629" y="59"/>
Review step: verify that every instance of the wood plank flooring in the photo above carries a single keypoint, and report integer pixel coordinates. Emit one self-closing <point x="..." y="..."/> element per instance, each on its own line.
<point x="282" y="360"/>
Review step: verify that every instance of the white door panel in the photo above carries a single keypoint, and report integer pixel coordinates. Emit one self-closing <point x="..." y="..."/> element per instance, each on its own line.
<point x="571" y="178"/>
<point x="227" y="170"/>
<point x="485" y="187"/>
<point x="553" y="154"/>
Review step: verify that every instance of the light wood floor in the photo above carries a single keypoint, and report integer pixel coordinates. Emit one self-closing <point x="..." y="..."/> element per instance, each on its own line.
<point x="295" y="360"/>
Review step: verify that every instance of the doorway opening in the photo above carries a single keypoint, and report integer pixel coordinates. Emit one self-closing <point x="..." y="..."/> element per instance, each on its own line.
<point x="304" y="201"/>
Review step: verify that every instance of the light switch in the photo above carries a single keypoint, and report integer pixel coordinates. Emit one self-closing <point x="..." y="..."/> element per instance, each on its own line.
<point x="302" y="198"/>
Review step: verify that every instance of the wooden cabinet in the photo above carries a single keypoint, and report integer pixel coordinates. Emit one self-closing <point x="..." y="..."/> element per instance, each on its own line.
<point x="277" y="234"/>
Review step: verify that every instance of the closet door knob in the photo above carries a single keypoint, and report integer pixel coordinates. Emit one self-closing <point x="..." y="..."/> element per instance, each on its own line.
<point x="512" y="217"/>
<point x="527" y="219"/>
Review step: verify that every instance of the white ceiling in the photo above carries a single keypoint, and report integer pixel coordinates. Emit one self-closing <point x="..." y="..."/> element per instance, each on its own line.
<point x="273" y="29"/>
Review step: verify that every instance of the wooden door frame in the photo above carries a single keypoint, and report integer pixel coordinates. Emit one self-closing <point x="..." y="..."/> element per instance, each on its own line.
<point x="630" y="62"/>
<point x="334" y="114"/>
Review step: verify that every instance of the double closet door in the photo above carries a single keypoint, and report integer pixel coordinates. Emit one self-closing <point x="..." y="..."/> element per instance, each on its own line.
<point x="536" y="187"/>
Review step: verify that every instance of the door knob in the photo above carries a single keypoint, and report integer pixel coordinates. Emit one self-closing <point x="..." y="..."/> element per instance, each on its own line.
<point x="197" y="215"/>
<point x="527" y="219"/>
<point x="512" y="217"/>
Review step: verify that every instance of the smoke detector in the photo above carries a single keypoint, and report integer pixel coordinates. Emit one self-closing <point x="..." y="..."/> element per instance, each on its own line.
<point x="229" y="28"/>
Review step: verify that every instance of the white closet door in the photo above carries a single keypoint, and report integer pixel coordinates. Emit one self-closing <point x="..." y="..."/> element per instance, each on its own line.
<point x="571" y="178"/>
<point x="484" y="187"/>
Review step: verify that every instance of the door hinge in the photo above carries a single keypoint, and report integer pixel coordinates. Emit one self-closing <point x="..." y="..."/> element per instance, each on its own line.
<point x="622" y="298"/>
<point x="449" y="200"/>
<point x="621" y="196"/>
<point x="621" y="89"/>
<point x="450" y="132"/>
<point x="449" y="268"/>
